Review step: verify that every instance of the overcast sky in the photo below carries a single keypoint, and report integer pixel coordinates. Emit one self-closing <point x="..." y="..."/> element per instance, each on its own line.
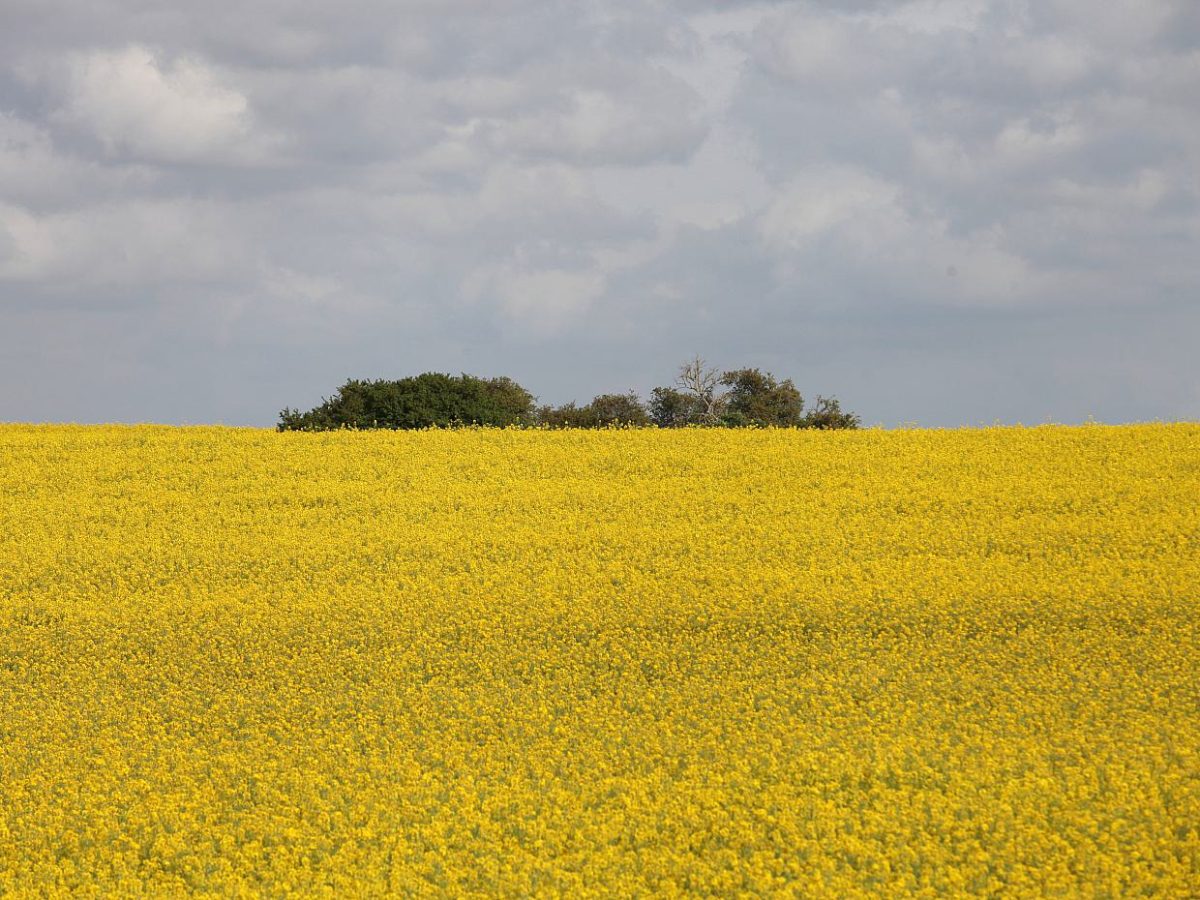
<point x="943" y="213"/>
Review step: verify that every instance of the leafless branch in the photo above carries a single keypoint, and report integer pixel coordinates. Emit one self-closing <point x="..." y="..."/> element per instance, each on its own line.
<point x="700" y="381"/>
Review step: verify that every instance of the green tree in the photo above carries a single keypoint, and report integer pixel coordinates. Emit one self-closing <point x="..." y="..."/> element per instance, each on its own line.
<point x="828" y="415"/>
<point x="618" y="409"/>
<point x="692" y="400"/>
<point x="700" y="396"/>
<point x="606" y="409"/>
<point x="421" y="401"/>
<point x="672" y="408"/>
<point x="756" y="398"/>
<point x="566" y="416"/>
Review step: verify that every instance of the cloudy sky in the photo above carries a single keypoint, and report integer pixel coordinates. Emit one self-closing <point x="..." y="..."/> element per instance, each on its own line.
<point x="944" y="213"/>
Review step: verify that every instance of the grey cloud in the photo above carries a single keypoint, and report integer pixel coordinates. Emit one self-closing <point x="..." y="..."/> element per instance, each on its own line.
<point x="36" y="175"/>
<point x="1029" y="139"/>
<point x="941" y="212"/>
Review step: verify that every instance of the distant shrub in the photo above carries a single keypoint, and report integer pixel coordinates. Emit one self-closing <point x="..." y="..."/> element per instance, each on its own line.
<point x="701" y="396"/>
<point x="828" y="415"/>
<point x="421" y="401"/>
<point x="603" y="411"/>
<point x="618" y="409"/>
<point x="752" y="398"/>
<point x="672" y="408"/>
<point x="756" y="398"/>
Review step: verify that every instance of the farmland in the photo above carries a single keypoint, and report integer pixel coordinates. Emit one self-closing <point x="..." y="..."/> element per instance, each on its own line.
<point x="616" y="662"/>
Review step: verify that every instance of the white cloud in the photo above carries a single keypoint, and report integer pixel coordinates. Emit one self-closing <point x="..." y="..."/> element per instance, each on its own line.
<point x="934" y="17"/>
<point x="840" y="217"/>
<point x="26" y="245"/>
<point x="838" y="199"/>
<point x="1020" y="142"/>
<point x="36" y="174"/>
<point x="822" y="51"/>
<point x="546" y="302"/>
<point x="138" y="106"/>
<point x="137" y="245"/>
<point x="644" y="118"/>
<point x="1054" y="62"/>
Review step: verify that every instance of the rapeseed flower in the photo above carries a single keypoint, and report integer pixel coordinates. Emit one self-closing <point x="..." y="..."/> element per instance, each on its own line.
<point x="600" y="663"/>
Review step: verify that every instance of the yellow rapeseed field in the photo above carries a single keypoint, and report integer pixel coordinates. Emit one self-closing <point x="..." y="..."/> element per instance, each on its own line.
<point x="611" y="663"/>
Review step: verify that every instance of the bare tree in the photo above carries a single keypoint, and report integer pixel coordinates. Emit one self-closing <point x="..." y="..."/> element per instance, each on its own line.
<point x="699" y="381"/>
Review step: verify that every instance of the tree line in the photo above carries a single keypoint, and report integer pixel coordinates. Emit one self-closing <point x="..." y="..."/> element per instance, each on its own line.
<point x="700" y="396"/>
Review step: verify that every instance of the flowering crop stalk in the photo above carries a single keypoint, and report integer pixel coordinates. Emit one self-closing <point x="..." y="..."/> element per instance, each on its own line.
<point x="600" y="663"/>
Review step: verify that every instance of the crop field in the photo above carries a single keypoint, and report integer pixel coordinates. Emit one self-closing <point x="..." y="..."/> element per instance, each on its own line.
<point x="600" y="663"/>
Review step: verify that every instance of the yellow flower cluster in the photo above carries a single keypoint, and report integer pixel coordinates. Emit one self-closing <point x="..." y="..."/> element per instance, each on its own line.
<point x="610" y="663"/>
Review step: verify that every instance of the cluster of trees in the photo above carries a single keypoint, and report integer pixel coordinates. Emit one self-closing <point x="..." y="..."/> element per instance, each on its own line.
<point x="700" y="396"/>
<point x="421" y="401"/>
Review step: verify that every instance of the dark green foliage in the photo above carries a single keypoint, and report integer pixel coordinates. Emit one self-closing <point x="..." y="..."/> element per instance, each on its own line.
<point x="604" y="410"/>
<point x="671" y="408"/>
<point x="421" y="401"/>
<point x="756" y="398"/>
<point x="618" y="409"/>
<point x="507" y="402"/>
<point x="751" y="398"/>
<point x="828" y="415"/>
<point x="566" y="416"/>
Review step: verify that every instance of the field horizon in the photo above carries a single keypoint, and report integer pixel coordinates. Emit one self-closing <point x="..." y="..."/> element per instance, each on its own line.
<point x="875" y="427"/>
